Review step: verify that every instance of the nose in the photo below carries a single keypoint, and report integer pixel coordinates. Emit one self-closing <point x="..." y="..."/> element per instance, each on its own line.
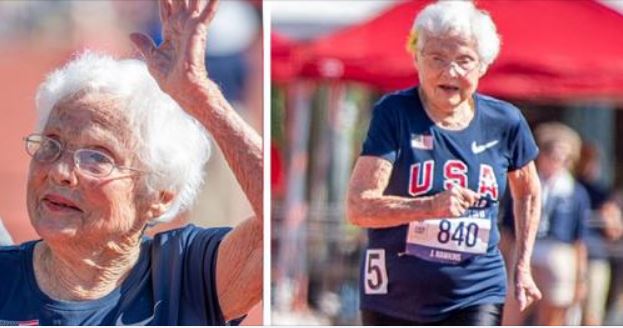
<point x="453" y="70"/>
<point x="63" y="171"/>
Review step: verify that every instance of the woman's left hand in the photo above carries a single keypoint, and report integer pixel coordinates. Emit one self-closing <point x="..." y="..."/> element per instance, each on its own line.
<point x="178" y="64"/>
<point x="526" y="291"/>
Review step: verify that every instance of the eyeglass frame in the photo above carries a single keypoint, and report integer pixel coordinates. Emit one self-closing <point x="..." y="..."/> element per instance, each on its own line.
<point x="461" y="71"/>
<point x="75" y="158"/>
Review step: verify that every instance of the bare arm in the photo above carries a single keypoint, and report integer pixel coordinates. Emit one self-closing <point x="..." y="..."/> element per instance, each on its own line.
<point x="239" y="269"/>
<point x="240" y="143"/>
<point x="526" y="192"/>
<point x="178" y="67"/>
<point x="367" y="206"/>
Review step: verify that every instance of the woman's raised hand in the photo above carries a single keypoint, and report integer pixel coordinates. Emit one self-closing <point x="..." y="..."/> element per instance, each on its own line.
<point x="179" y="62"/>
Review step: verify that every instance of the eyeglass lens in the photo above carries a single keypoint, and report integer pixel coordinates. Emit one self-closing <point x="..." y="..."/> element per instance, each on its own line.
<point x="461" y="66"/>
<point x="93" y="162"/>
<point x="89" y="161"/>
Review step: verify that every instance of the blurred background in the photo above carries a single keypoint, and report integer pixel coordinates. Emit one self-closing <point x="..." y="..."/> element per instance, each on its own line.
<point x="38" y="36"/>
<point x="330" y="61"/>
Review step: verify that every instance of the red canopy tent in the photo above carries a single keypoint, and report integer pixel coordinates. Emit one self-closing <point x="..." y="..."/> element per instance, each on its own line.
<point x="551" y="50"/>
<point x="284" y="64"/>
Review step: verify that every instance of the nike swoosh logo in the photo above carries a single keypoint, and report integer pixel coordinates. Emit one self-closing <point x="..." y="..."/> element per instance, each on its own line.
<point x="477" y="149"/>
<point x="140" y="323"/>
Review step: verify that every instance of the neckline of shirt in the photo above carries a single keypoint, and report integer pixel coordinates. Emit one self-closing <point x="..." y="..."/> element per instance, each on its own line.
<point x="80" y="305"/>
<point x="469" y="126"/>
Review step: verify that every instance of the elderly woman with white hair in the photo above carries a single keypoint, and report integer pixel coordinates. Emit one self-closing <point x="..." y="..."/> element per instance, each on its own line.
<point x="434" y="163"/>
<point x="117" y="149"/>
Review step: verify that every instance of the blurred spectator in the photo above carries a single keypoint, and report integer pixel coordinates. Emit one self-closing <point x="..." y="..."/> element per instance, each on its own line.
<point x="604" y="224"/>
<point x="559" y="257"/>
<point x="5" y="237"/>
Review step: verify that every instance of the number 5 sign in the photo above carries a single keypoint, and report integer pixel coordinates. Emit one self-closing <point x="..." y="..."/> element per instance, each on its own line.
<point x="375" y="279"/>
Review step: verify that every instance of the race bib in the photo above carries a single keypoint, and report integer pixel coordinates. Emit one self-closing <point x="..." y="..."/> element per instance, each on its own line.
<point x="451" y="240"/>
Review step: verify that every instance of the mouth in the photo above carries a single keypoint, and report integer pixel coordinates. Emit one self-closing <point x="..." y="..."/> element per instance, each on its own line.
<point x="448" y="88"/>
<point x="57" y="203"/>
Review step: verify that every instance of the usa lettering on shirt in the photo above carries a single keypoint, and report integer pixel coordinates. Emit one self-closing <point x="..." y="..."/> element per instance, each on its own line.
<point x="455" y="171"/>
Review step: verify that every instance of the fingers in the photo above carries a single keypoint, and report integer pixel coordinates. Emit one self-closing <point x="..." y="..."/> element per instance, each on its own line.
<point x="526" y="296"/>
<point x="456" y="200"/>
<point x="467" y="197"/>
<point x="144" y="44"/>
<point x="195" y="5"/>
<point x="532" y="295"/>
<point x="177" y="5"/>
<point x="535" y="294"/>
<point x="166" y="8"/>
<point x="209" y="11"/>
<point x="521" y="299"/>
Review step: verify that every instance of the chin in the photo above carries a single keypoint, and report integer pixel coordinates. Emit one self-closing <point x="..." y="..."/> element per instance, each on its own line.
<point x="454" y="101"/>
<point x="51" y="231"/>
<point x="449" y="102"/>
<point x="56" y="235"/>
<point x="52" y="227"/>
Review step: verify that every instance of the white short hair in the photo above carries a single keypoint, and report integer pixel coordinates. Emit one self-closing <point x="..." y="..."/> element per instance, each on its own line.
<point x="171" y="143"/>
<point x="459" y="17"/>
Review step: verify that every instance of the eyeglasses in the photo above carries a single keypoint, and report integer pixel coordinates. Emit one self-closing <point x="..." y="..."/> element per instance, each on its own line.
<point x="91" y="162"/>
<point x="462" y="66"/>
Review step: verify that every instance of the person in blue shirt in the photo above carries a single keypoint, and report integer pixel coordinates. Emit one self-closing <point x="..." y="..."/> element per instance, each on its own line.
<point x="434" y="163"/>
<point x="119" y="146"/>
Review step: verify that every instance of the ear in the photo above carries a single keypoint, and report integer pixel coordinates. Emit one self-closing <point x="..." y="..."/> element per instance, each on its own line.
<point x="161" y="204"/>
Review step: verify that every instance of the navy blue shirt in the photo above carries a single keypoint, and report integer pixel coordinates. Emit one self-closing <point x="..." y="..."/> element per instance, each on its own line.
<point x="173" y="283"/>
<point x="424" y="270"/>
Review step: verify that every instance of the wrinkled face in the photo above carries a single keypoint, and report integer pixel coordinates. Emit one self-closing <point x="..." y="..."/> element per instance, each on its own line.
<point x="449" y="69"/>
<point x="67" y="204"/>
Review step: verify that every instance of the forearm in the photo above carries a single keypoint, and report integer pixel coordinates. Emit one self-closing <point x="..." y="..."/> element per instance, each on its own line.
<point x="527" y="212"/>
<point x="239" y="269"/>
<point x="240" y="143"/>
<point x="368" y="207"/>
<point x="387" y="211"/>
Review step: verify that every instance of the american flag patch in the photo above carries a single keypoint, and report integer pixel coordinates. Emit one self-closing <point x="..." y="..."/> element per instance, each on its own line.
<point x="422" y="141"/>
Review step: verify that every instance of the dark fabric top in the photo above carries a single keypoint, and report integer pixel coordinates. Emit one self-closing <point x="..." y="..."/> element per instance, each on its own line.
<point x="173" y="283"/>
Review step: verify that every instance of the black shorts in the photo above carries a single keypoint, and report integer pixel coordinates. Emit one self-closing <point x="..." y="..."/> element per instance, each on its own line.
<point x="477" y="315"/>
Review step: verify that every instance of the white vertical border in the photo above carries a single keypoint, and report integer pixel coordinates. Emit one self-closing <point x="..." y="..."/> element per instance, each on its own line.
<point x="266" y="23"/>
